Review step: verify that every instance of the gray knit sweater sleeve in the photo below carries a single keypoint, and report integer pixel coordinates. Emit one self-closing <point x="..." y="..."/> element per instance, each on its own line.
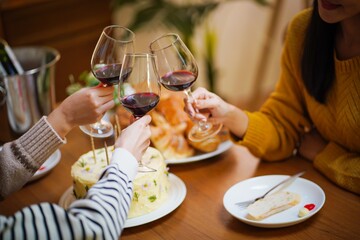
<point x="20" y="159"/>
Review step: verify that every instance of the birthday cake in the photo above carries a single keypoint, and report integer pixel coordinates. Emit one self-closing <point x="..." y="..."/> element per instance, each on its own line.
<point x="150" y="189"/>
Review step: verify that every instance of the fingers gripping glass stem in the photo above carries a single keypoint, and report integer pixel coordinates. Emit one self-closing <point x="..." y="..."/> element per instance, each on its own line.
<point x="203" y="129"/>
<point x="203" y="122"/>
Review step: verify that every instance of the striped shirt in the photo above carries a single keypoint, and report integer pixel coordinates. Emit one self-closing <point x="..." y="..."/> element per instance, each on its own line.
<point x="101" y="215"/>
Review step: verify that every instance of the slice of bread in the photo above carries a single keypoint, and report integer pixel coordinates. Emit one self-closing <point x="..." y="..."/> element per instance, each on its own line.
<point x="272" y="204"/>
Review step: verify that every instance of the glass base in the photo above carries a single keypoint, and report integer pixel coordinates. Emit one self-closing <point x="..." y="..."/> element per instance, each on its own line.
<point x="143" y="168"/>
<point x="199" y="133"/>
<point x="100" y="129"/>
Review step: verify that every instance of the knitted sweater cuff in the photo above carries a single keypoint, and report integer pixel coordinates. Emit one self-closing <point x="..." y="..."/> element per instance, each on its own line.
<point x="331" y="150"/>
<point x="340" y="166"/>
<point x="253" y="135"/>
<point x="323" y="162"/>
<point x="39" y="142"/>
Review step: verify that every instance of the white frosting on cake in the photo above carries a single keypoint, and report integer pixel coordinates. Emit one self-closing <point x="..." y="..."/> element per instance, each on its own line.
<point x="150" y="189"/>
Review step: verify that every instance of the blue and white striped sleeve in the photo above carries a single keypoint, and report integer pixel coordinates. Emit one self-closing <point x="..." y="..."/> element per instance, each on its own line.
<point x="101" y="215"/>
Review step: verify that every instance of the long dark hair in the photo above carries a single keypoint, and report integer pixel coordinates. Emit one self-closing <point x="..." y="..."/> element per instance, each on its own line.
<point x="317" y="63"/>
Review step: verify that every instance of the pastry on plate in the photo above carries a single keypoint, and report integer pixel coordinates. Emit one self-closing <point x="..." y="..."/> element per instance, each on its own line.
<point x="272" y="204"/>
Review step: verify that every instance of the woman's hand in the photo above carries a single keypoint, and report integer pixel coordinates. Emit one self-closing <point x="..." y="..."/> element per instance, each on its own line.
<point x="136" y="137"/>
<point x="206" y="104"/>
<point x="85" y="106"/>
<point x="311" y="145"/>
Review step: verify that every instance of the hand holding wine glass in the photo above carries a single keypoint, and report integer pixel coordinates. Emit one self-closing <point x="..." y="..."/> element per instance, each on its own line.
<point x="106" y="62"/>
<point x="83" y="107"/>
<point x="178" y="71"/>
<point x="139" y="132"/>
<point x="139" y="88"/>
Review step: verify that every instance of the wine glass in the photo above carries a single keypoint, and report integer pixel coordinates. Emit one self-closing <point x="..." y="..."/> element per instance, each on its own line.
<point x="139" y="87"/>
<point x="178" y="71"/>
<point x="106" y="62"/>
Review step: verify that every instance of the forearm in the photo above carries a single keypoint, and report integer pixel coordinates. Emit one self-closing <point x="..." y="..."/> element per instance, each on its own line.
<point x="20" y="159"/>
<point x="101" y="215"/>
<point x="236" y="121"/>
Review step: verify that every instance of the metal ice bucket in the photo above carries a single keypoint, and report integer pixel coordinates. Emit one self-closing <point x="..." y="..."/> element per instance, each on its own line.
<point x="30" y="95"/>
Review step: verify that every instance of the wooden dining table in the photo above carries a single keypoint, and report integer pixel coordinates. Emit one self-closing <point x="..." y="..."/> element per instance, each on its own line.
<point x="202" y="214"/>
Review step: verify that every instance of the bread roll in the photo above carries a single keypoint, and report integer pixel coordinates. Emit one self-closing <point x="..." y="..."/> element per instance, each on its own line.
<point x="172" y="124"/>
<point x="168" y="139"/>
<point x="171" y="106"/>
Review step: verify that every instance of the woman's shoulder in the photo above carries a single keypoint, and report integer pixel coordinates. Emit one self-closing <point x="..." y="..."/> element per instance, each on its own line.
<point x="299" y="23"/>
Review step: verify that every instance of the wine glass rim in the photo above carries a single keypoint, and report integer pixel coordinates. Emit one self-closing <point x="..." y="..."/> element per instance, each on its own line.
<point x="176" y="39"/>
<point x="131" y="38"/>
<point x="140" y="54"/>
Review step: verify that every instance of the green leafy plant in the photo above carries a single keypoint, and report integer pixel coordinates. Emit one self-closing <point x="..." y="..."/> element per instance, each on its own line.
<point x="184" y="18"/>
<point x="86" y="79"/>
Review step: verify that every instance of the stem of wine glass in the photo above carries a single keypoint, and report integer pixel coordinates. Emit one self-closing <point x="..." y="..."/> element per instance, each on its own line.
<point x="202" y="124"/>
<point x="141" y="166"/>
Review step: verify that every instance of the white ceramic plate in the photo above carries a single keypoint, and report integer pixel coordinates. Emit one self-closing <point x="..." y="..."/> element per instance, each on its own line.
<point x="254" y="187"/>
<point x="47" y="166"/>
<point x="222" y="148"/>
<point x="177" y="195"/>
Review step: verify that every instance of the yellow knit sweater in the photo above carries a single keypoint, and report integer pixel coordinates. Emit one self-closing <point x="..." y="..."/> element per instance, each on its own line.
<point x="275" y="130"/>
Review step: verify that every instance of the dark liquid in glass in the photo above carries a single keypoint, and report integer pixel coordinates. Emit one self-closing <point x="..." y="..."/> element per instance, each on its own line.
<point x="178" y="80"/>
<point x="140" y="103"/>
<point x="109" y="74"/>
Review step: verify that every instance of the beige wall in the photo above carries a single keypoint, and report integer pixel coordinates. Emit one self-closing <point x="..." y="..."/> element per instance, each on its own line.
<point x="242" y="32"/>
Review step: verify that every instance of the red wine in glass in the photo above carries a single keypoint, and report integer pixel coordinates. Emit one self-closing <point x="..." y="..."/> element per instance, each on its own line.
<point x="139" y="88"/>
<point x="140" y="103"/>
<point x="178" y="80"/>
<point x="106" y="64"/>
<point x="179" y="71"/>
<point x="108" y="74"/>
